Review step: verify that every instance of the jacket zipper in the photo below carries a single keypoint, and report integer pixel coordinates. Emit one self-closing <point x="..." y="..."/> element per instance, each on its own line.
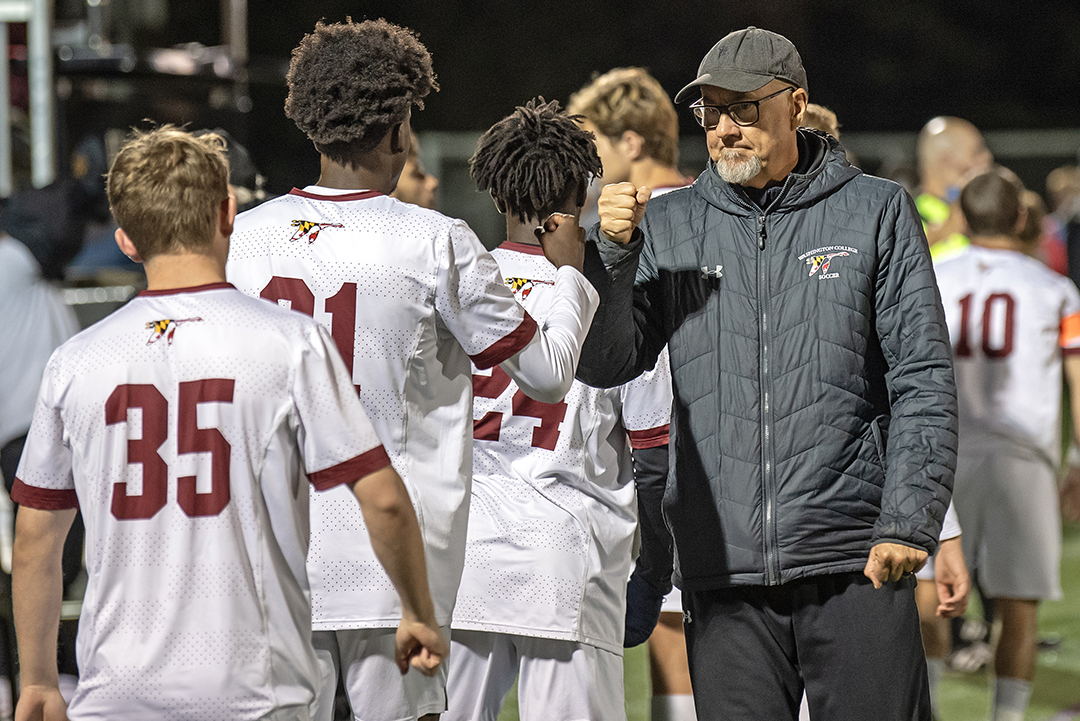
<point x="772" y="560"/>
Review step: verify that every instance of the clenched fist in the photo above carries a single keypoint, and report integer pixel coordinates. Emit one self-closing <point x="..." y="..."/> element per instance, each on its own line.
<point x="890" y="561"/>
<point x="621" y="207"/>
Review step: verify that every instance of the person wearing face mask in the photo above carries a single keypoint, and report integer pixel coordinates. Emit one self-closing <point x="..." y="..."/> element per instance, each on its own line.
<point x="950" y="152"/>
<point x="814" y="421"/>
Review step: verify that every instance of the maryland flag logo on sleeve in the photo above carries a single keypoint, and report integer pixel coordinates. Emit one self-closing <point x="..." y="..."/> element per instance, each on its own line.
<point x="166" y="328"/>
<point x="310" y="229"/>
<point x="524" y="286"/>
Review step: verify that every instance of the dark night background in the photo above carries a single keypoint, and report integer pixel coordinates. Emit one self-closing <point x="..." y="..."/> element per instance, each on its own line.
<point x="882" y="65"/>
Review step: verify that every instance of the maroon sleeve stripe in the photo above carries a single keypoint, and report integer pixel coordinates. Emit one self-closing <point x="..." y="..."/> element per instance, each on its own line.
<point x="43" y="499"/>
<point x="351" y="470"/>
<point x="506" y="346"/>
<point x="1070" y="351"/>
<point x="649" y="438"/>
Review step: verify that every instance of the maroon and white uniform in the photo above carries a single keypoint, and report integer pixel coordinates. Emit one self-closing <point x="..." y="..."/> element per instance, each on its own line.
<point x="1011" y="319"/>
<point x="182" y="426"/>
<point x="413" y="301"/>
<point x="551" y="530"/>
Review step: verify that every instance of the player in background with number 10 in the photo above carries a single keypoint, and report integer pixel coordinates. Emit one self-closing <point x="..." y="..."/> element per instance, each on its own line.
<point x="410" y="297"/>
<point x="182" y="426"/>
<point x="1011" y="322"/>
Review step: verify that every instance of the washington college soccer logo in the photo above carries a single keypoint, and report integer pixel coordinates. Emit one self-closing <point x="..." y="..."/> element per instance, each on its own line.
<point x="310" y="229"/>
<point x="524" y="286"/>
<point x="167" y="328"/>
<point x="820" y="259"/>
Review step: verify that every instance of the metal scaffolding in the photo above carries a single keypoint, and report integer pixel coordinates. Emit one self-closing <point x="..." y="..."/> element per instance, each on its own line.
<point x="37" y="15"/>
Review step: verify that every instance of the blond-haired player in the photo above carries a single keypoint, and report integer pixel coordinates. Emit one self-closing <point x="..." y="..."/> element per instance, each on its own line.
<point x="183" y="426"/>
<point x="1014" y="325"/>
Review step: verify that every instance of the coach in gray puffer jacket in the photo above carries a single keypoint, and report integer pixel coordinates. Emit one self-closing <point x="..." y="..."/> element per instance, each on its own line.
<point x="815" y="411"/>
<point x="814" y="424"/>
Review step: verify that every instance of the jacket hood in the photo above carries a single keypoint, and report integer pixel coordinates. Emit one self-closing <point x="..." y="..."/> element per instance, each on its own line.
<point x="828" y="171"/>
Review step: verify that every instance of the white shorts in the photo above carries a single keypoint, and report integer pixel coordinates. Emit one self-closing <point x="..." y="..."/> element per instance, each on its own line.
<point x="377" y="691"/>
<point x="672" y="602"/>
<point x="926" y="573"/>
<point x="557" y="680"/>
<point x="1008" y="508"/>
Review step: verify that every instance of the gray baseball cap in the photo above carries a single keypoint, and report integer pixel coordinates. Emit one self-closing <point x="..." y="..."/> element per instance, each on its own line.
<point x="745" y="60"/>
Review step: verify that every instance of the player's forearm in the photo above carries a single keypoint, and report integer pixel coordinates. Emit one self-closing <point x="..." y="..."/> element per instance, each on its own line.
<point x="37" y="591"/>
<point x="544" y="369"/>
<point x="396" y="540"/>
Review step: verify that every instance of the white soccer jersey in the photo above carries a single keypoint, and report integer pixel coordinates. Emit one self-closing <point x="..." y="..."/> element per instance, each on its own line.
<point x="553" y="504"/>
<point x="1010" y="319"/>
<point x="411" y="296"/>
<point x="183" y="425"/>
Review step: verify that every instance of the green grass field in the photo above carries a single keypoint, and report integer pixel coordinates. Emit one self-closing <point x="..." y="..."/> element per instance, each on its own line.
<point x="963" y="697"/>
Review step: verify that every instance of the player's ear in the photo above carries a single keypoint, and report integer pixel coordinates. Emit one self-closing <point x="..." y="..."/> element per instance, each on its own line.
<point x="227" y="214"/>
<point x="126" y="246"/>
<point x="632" y="144"/>
<point x="399" y="139"/>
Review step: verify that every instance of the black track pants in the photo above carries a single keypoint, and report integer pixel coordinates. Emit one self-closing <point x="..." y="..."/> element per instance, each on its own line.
<point x="856" y="650"/>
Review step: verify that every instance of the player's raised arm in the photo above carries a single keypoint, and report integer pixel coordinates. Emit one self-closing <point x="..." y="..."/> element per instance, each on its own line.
<point x="512" y="163"/>
<point x="621" y="207"/>
<point x="395" y="537"/>
<point x="37" y="591"/>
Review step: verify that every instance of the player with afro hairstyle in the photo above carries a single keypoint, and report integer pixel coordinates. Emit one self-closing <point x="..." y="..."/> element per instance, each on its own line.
<point x="535" y="161"/>
<point x="414" y="302"/>
<point x="350" y="83"/>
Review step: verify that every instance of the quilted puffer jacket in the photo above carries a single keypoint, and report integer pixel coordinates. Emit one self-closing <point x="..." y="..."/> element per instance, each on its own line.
<point x="815" y="411"/>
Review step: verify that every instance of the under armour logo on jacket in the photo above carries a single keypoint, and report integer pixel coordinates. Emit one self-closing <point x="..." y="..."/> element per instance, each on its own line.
<point x="714" y="273"/>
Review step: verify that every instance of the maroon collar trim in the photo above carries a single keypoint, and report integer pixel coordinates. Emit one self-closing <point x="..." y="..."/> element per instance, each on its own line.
<point x="359" y="195"/>
<point x="522" y="248"/>
<point x="191" y="289"/>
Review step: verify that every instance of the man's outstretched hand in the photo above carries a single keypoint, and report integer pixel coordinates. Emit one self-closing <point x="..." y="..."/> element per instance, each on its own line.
<point x="890" y="561"/>
<point x="621" y="207"/>
<point x="643" y="604"/>
<point x="420" y="644"/>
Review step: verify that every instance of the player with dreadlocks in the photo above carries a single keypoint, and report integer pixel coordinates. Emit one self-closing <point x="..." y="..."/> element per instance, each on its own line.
<point x="411" y="297"/>
<point x="553" y="508"/>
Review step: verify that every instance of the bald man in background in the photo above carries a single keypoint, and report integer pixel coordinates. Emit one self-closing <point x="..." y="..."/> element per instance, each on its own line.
<point x="950" y="151"/>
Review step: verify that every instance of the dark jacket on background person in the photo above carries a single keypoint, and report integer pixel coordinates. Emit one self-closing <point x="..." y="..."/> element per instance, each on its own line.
<point x="815" y="410"/>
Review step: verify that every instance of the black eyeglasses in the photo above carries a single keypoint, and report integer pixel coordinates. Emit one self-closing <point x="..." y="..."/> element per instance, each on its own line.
<point x="743" y="113"/>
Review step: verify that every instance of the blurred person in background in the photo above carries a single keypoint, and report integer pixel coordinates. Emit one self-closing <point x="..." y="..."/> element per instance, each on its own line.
<point x="821" y="118"/>
<point x="949" y="151"/>
<point x="41" y="230"/>
<point x="637" y="137"/>
<point x="1039" y="234"/>
<point x="1014" y="325"/>
<point x="416" y="185"/>
<point x="1063" y="221"/>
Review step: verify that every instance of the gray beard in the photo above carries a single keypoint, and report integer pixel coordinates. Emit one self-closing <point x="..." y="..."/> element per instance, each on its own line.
<point x="738" y="171"/>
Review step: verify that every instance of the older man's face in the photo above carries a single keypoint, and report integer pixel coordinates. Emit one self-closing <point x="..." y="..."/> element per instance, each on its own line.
<point x="768" y="146"/>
